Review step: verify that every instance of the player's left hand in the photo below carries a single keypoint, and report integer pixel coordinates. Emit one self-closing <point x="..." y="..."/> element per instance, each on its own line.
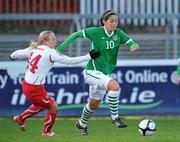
<point x="134" y="47"/>
<point x="94" y="54"/>
<point x="177" y="79"/>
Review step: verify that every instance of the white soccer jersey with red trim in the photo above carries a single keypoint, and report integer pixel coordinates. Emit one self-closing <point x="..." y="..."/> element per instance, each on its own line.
<point x="41" y="60"/>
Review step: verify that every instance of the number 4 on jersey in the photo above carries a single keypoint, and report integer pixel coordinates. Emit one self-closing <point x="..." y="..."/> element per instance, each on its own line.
<point x="33" y="63"/>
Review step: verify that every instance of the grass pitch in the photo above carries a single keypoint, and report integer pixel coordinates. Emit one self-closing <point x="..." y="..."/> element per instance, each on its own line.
<point x="100" y="130"/>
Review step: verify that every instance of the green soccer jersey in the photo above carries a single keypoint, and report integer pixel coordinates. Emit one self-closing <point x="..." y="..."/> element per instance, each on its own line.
<point x="107" y="44"/>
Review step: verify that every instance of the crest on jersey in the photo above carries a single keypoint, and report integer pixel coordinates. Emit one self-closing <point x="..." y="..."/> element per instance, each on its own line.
<point x="115" y="37"/>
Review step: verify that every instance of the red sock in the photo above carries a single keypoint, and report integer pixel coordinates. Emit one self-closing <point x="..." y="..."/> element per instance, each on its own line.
<point x="32" y="110"/>
<point x="49" y="121"/>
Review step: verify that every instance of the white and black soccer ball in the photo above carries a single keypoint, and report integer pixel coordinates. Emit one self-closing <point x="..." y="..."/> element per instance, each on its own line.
<point x="147" y="127"/>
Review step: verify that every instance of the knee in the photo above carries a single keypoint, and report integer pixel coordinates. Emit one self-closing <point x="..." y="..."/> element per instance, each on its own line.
<point x="54" y="108"/>
<point x="117" y="87"/>
<point x="113" y="85"/>
<point x="93" y="104"/>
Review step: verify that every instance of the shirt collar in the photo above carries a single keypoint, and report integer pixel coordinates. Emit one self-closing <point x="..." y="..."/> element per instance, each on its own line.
<point x="109" y="35"/>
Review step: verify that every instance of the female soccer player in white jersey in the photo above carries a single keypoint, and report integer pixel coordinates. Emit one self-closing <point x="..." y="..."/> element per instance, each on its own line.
<point x="41" y="57"/>
<point x="107" y="39"/>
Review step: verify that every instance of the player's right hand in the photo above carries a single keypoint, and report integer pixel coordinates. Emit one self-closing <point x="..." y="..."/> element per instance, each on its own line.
<point x="94" y="54"/>
<point x="11" y="58"/>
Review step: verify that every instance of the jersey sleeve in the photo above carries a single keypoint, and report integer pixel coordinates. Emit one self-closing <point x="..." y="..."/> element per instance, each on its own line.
<point x="69" y="40"/>
<point x="90" y="32"/>
<point x="56" y="56"/>
<point x="23" y="53"/>
<point x="125" y="39"/>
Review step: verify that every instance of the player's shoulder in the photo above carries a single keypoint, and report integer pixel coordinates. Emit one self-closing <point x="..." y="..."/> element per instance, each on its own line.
<point x="28" y="48"/>
<point x="52" y="51"/>
<point x="118" y="30"/>
<point x="91" y="31"/>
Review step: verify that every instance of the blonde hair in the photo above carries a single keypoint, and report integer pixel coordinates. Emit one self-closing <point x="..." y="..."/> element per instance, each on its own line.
<point x="43" y="36"/>
<point x="33" y="44"/>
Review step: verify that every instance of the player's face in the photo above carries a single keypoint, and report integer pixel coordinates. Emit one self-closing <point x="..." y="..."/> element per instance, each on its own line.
<point x="52" y="41"/>
<point x="111" y="23"/>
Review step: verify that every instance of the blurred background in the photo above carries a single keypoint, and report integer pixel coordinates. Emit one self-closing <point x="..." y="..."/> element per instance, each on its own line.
<point x="154" y="24"/>
<point x="146" y="76"/>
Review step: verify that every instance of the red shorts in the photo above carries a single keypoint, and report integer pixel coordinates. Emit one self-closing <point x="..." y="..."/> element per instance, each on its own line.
<point x="37" y="95"/>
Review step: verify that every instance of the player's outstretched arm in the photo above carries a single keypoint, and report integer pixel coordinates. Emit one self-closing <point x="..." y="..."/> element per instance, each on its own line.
<point x="69" y="40"/>
<point x="18" y="54"/>
<point x="63" y="59"/>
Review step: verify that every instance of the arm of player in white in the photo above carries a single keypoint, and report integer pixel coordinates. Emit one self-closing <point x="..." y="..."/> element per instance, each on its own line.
<point x="18" y="54"/>
<point x="63" y="59"/>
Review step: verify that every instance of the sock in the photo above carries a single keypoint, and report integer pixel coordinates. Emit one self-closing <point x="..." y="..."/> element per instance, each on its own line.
<point x="32" y="110"/>
<point x="49" y="121"/>
<point x="113" y="99"/>
<point x="87" y="112"/>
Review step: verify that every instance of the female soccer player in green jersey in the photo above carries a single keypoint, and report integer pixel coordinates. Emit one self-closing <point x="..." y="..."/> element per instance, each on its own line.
<point x="107" y="39"/>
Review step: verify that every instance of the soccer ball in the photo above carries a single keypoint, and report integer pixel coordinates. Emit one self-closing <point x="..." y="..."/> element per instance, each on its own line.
<point x="147" y="127"/>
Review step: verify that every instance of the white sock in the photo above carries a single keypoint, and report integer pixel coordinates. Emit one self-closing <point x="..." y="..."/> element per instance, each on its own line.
<point x="114" y="116"/>
<point x="113" y="99"/>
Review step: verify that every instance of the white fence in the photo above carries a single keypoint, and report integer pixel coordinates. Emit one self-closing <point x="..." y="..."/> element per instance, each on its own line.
<point x="136" y="12"/>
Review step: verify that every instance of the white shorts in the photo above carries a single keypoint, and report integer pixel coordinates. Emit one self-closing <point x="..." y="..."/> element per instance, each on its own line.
<point x="98" y="83"/>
